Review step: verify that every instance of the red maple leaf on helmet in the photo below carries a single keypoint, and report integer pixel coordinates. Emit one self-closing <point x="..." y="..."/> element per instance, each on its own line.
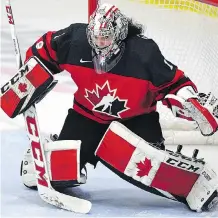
<point x="22" y="87"/>
<point x="144" y="167"/>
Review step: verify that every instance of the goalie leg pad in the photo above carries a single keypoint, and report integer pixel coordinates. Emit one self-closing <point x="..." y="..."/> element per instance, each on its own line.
<point x="63" y="163"/>
<point x="161" y="172"/>
<point x="134" y="157"/>
<point x="62" y="158"/>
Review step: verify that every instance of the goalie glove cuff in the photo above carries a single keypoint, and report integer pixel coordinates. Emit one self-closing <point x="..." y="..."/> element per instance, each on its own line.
<point x="210" y="102"/>
<point x="205" y="120"/>
<point x="187" y="92"/>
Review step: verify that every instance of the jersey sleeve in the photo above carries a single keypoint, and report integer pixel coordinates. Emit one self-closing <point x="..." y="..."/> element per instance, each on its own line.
<point x="51" y="48"/>
<point x="166" y="78"/>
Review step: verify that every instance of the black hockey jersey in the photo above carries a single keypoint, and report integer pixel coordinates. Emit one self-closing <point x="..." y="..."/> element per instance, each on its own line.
<point x="141" y="78"/>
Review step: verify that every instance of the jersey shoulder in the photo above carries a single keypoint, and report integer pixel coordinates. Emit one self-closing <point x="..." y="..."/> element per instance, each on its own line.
<point x="154" y="67"/>
<point x="143" y="48"/>
<point x="69" y="34"/>
<point x="69" y="38"/>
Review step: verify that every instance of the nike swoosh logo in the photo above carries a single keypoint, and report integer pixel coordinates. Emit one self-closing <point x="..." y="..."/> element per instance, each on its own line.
<point x="82" y="61"/>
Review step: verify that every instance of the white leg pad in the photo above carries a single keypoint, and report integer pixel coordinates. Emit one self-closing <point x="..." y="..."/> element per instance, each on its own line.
<point x="174" y="174"/>
<point x="62" y="158"/>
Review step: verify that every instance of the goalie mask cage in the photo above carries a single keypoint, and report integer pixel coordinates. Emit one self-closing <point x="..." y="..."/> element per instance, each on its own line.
<point x="187" y="34"/>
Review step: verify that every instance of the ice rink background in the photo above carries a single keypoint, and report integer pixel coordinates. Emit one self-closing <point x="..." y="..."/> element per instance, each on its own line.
<point x="111" y="197"/>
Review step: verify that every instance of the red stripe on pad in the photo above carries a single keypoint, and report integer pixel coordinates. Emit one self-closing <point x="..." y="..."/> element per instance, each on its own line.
<point x="64" y="165"/>
<point x="9" y="102"/>
<point x="115" y="150"/>
<point x="37" y="76"/>
<point x="174" y="180"/>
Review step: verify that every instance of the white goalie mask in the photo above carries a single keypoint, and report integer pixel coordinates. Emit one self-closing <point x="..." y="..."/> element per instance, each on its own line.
<point x="107" y="29"/>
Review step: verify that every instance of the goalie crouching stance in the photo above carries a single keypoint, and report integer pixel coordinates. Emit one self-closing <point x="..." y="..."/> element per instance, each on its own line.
<point x="120" y="77"/>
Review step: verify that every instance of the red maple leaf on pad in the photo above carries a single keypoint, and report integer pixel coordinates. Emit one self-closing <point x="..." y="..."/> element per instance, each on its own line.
<point x="144" y="167"/>
<point x="22" y="87"/>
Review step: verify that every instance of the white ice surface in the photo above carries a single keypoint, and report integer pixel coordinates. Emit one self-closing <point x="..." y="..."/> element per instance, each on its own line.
<point x="110" y="195"/>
